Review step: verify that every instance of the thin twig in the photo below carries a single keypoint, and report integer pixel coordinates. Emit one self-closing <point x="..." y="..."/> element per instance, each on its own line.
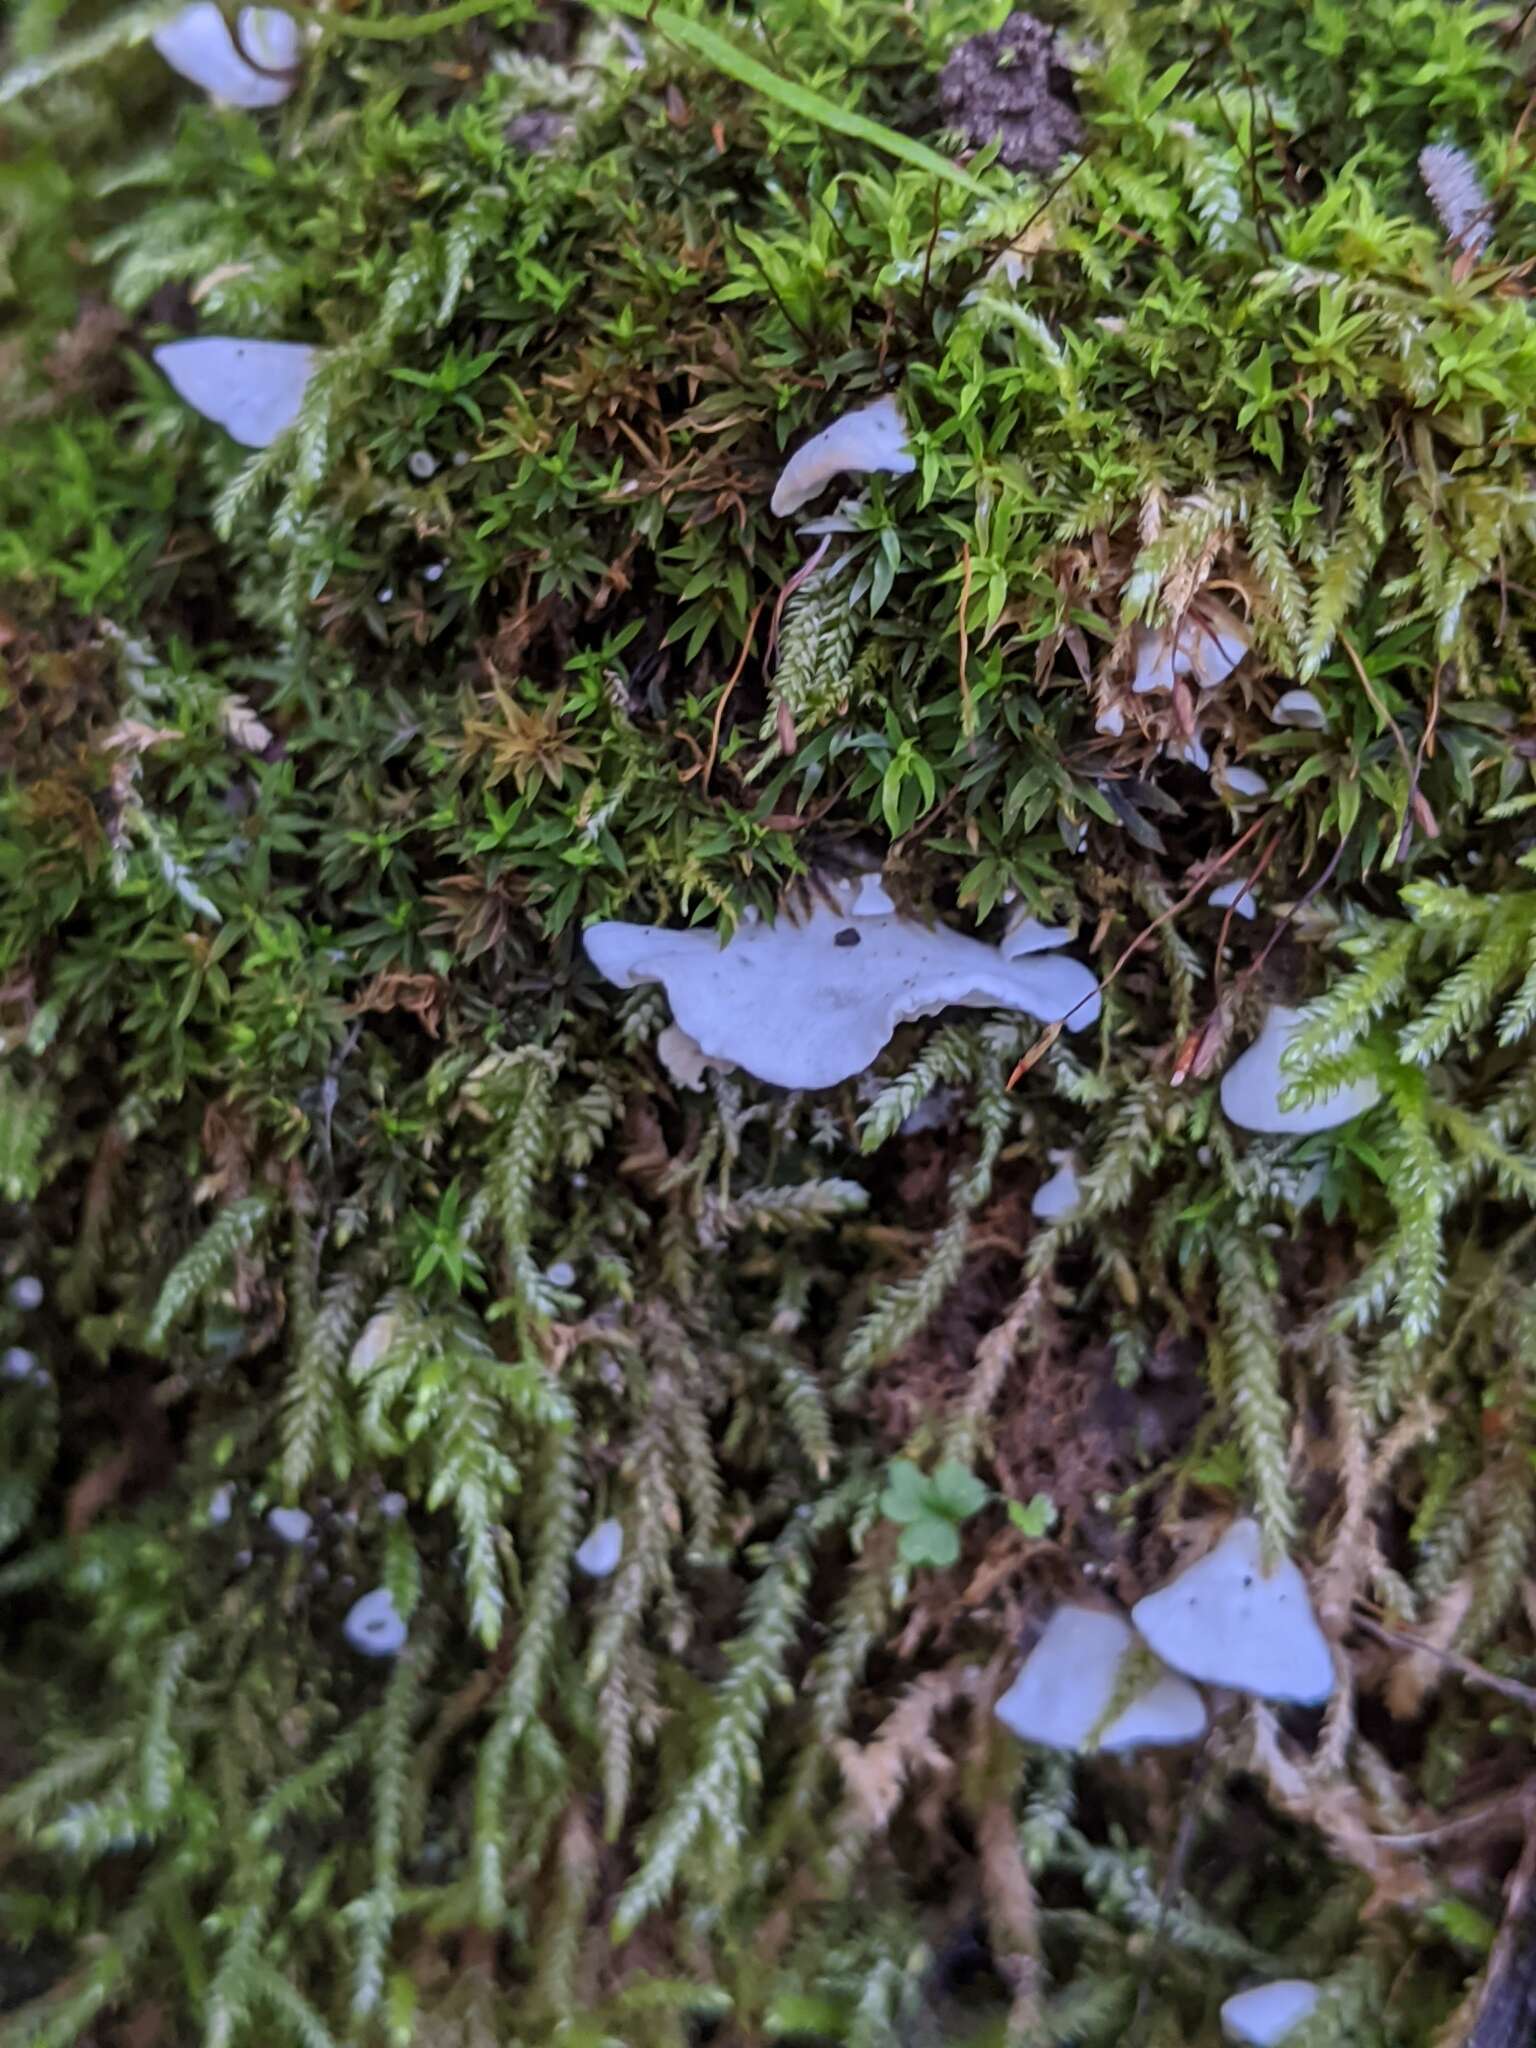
<point x="725" y="694"/>
<point x="967" y="711"/>
<point x="1049" y="1036"/>
<point x="1474" y="1674"/>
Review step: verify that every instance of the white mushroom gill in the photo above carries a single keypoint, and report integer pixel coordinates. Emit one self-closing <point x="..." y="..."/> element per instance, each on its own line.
<point x="1264" y="2016"/>
<point x="870" y="437"/>
<point x="256" y="66"/>
<point x="806" y="1005"/>
<point x="252" y="389"/>
<point x="1253" y="1087"/>
<point x="1228" y="1621"/>
<point x="1069" y="1680"/>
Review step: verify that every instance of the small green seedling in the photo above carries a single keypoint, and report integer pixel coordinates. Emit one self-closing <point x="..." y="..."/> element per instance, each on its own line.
<point x="931" y="1507"/>
<point x="1034" y="1517"/>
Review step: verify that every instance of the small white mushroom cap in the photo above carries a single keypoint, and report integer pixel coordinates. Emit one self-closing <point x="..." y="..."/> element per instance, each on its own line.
<point x="561" y="1274"/>
<point x="599" y="1555"/>
<point x="1228" y="1621"/>
<point x="221" y="1505"/>
<point x="252" y="389"/>
<point x="1069" y="1678"/>
<point x="1206" y="646"/>
<point x="374" y="1339"/>
<point x="1262" y="2018"/>
<point x="1192" y="750"/>
<point x="1252" y="1087"/>
<point x="1238" y="784"/>
<point x="1111" y="720"/>
<point x="373" y="1625"/>
<point x="17" y="1364"/>
<point x="870" y="437"/>
<point x="289" y="1525"/>
<point x="1059" y="1196"/>
<point x="197" y="43"/>
<point x="1236" y="896"/>
<point x="684" y="1058"/>
<point x="808" y="1005"/>
<point x="1300" y="707"/>
<point x="27" y="1292"/>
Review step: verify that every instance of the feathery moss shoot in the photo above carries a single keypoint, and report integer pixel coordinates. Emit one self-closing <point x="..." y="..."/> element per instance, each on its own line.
<point x="1201" y="628"/>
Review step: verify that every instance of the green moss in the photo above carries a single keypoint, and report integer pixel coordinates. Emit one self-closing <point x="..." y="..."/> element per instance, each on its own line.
<point x="316" y="763"/>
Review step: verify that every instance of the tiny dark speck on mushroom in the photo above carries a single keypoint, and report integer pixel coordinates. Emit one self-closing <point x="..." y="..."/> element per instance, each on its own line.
<point x="847" y="937"/>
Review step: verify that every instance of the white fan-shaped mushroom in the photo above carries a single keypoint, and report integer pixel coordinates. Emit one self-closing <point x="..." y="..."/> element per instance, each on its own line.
<point x="1029" y="935"/>
<point x="1262" y="2018"/>
<point x="1239" y="785"/>
<point x="289" y="1525"/>
<point x="1206" y="645"/>
<point x="1228" y="1621"/>
<point x="257" y="70"/>
<point x="870" y="437"/>
<point x="808" y="1005"/>
<point x="1252" y="1087"/>
<point x="17" y="1363"/>
<point x="252" y="389"/>
<point x="373" y="1625"/>
<point x="221" y="1505"/>
<point x="1302" y="708"/>
<point x="599" y="1555"/>
<point x="26" y="1293"/>
<point x="1059" y="1196"/>
<point x="1070" y="1677"/>
<point x="1237" y="896"/>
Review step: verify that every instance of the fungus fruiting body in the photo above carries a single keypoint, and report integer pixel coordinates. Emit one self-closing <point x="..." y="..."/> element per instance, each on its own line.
<point x="1253" y="1087"/>
<point x="871" y="437"/>
<point x="1230" y="1621"/>
<point x="1069" y="1681"/>
<point x="255" y="65"/>
<point x="1265" y="2016"/>
<point x="600" y="1554"/>
<point x="1058" y="1197"/>
<point x="809" y="1004"/>
<point x="252" y="389"/>
<point x="373" y="1625"/>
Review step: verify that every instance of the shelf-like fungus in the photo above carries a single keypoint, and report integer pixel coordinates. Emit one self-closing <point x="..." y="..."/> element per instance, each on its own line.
<point x="252" y="389"/>
<point x="256" y="65"/>
<point x="1237" y="897"/>
<point x="289" y="1525"/>
<point x="1230" y="1622"/>
<point x="1058" y="1197"/>
<point x="1266" y="2015"/>
<point x="1300" y="708"/>
<point x="1206" y="645"/>
<point x="1069" y="1681"/>
<point x="1253" y="1087"/>
<point x="870" y="437"/>
<point x="600" y="1554"/>
<point x="809" y="1004"/>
